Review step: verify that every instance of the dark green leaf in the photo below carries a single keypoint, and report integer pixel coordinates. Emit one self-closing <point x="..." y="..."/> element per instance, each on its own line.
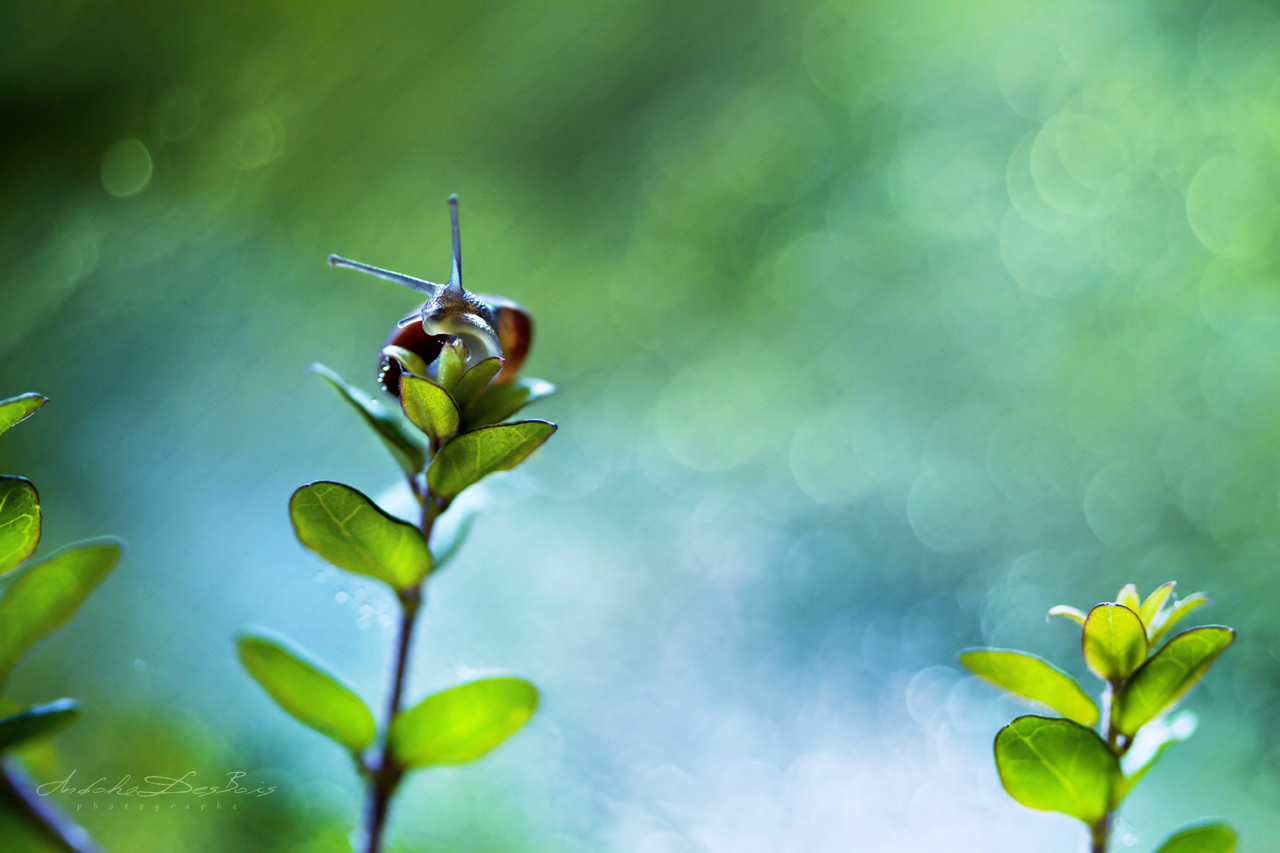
<point x="1169" y="617"/>
<point x="475" y="455"/>
<point x="463" y="723"/>
<point x="1033" y="679"/>
<point x="451" y="365"/>
<point x="501" y="400"/>
<point x="16" y="409"/>
<point x="36" y="721"/>
<point x="406" y="450"/>
<point x="45" y="593"/>
<point x="1210" y="838"/>
<point x="410" y="362"/>
<point x="1115" y="642"/>
<point x="1166" y="678"/>
<point x="1058" y="766"/>
<point x="307" y="689"/>
<point x="346" y="528"/>
<point x="429" y="407"/>
<point x="19" y="521"/>
<point x="477" y="379"/>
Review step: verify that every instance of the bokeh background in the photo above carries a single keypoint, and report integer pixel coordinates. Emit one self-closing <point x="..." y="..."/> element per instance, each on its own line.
<point x="880" y="328"/>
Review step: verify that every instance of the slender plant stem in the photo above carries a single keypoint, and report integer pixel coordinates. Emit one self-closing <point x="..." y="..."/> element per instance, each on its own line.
<point x="1100" y="832"/>
<point x="17" y="786"/>
<point x="385" y="776"/>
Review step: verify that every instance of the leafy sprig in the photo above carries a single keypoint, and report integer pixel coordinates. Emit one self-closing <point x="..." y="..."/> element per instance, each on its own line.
<point x="1063" y="764"/>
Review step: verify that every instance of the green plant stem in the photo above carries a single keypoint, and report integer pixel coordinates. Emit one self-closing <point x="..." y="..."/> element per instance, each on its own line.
<point x="1100" y="832"/>
<point x="385" y="776"/>
<point x="17" y="786"/>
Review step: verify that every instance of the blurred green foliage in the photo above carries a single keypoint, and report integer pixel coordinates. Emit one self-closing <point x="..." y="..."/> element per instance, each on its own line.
<point x="884" y="327"/>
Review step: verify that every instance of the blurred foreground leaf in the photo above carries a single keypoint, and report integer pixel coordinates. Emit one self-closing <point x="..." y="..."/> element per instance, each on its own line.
<point x="1057" y="765"/>
<point x="473" y="456"/>
<point x="37" y="720"/>
<point x="462" y="723"/>
<point x="47" y="592"/>
<point x="1034" y="679"/>
<point x="408" y="453"/>
<point x="1149" y="745"/>
<point x="352" y="532"/>
<point x="16" y="409"/>
<point x="1166" y="678"/>
<point x="19" y="521"/>
<point x="307" y="690"/>
<point x="1115" y="642"/>
<point x="1214" y="838"/>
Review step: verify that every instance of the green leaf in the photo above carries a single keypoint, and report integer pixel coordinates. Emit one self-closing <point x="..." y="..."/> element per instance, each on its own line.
<point x="1207" y="838"/>
<point x="44" y="594"/>
<point x="429" y="407"/>
<point x="36" y="721"/>
<point x="1069" y="612"/>
<point x="346" y="528"/>
<point x="451" y="365"/>
<point x="410" y="362"/>
<point x="1057" y="766"/>
<point x="307" y="689"/>
<point x="1033" y="679"/>
<point x="406" y="450"/>
<point x="477" y="379"/>
<point x="1170" y="617"/>
<point x="19" y="521"/>
<point x="503" y="399"/>
<point x="1128" y="597"/>
<point x="1154" y="602"/>
<point x="1115" y="642"/>
<point x="1151" y="742"/>
<point x="448" y="547"/>
<point x="475" y="455"/>
<point x="17" y="409"/>
<point x="1171" y="672"/>
<point x="462" y="723"/>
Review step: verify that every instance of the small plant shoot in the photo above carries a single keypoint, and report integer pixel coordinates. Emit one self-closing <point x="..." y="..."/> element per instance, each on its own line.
<point x="453" y="366"/>
<point x="38" y="596"/>
<point x="1083" y="763"/>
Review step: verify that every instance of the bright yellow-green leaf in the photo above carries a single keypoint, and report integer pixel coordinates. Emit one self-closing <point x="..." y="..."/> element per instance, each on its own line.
<point x="1170" y="616"/>
<point x="1033" y="679"/>
<point x="503" y="399"/>
<point x="1154" y="602"/>
<point x="1167" y="677"/>
<point x="37" y="721"/>
<point x="346" y="528"/>
<point x="410" y="362"/>
<point x="19" y="408"/>
<point x="1069" y="612"/>
<point x="452" y="365"/>
<point x="45" y="593"/>
<point x="472" y="456"/>
<point x="429" y="407"/>
<point x="19" y="521"/>
<point x="1210" y="838"/>
<point x="477" y="379"/>
<point x="307" y="689"/>
<point x="1128" y="597"/>
<point x="1058" y="766"/>
<point x="1115" y="642"/>
<point x="463" y="723"/>
<point x="408" y="453"/>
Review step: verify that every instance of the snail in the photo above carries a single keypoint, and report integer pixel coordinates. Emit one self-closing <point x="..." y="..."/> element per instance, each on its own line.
<point x="488" y="326"/>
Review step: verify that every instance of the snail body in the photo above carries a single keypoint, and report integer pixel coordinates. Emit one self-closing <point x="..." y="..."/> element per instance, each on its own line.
<point x="488" y="326"/>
